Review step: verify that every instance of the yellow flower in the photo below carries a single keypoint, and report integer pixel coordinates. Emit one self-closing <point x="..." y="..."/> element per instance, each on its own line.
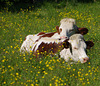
<point x="83" y="83"/>
<point x="50" y="84"/>
<point x="12" y="82"/>
<point x="24" y="59"/>
<point x="13" y="51"/>
<point x="8" y="66"/>
<point x="73" y="69"/>
<point x="56" y="80"/>
<point x="42" y="76"/>
<point x="3" y="60"/>
<point x="4" y="82"/>
<point x="17" y="74"/>
<point x="73" y="74"/>
<point x="88" y="82"/>
<point x="40" y="62"/>
<point x="47" y="65"/>
<point x="36" y="85"/>
<point x="31" y="51"/>
<point x="32" y="84"/>
<point x="38" y="71"/>
<point x="11" y="46"/>
<point x="38" y="53"/>
<point x="86" y="74"/>
<point x="15" y="78"/>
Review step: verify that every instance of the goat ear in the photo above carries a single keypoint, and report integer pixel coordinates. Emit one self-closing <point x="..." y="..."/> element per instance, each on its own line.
<point x="57" y="27"/>
<point x="58" y="31"/>
<point x="89" y="44"/>
<point x="83" y="31"/>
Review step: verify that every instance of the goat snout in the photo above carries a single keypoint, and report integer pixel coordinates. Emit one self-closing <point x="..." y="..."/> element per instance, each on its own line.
<point x="85" y="59"/>
<point x="64" y="37"/>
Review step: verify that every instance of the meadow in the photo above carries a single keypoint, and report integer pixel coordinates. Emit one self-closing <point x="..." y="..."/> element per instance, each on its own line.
<point x="18" y="69"/>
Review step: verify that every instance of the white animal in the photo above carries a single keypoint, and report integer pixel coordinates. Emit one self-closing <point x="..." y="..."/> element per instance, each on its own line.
<point x="74" y="48"/>
<point x="77" y="49"/>
<point x="68" y="27"/>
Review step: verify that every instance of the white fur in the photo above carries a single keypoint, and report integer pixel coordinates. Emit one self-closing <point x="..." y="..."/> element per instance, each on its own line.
<point x="56" y="36"/>
<point x="78" y="49"/>
<point x="29" y="43"/>
<point x="46" y="40"/>
<point x="68" y="27"/>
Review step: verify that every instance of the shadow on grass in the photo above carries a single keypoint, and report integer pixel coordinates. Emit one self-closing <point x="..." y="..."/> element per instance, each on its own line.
<point x="16" y="6"/>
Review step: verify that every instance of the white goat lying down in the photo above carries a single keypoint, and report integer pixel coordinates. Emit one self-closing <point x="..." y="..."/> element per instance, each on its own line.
<point x="74" y="48"/>
<point x="77" y="49"/>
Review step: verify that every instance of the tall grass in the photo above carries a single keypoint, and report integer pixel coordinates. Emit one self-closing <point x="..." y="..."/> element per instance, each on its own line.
<point x="18" y="69"/>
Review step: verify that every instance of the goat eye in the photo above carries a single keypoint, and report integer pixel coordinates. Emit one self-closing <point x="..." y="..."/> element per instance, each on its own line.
<point x="75" y="48"/>
<point x="71" y="30"/>
<point x="59" y="38"/>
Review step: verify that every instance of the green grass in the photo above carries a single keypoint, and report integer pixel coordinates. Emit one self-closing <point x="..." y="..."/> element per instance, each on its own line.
<point x="23" y="70"/>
